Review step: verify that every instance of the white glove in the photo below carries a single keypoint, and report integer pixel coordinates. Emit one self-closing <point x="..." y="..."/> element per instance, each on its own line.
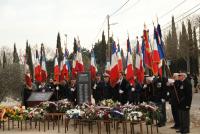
<point x="95" y="86"/>
<point x="72" y="89"/>
<point x="168" y="94"/>
<point x="163" y="100"/>
<point x="121" y="92"/>
<point x="57" y="88"/>
<point x="132" y="89"/>
<point x="145" y="86"/>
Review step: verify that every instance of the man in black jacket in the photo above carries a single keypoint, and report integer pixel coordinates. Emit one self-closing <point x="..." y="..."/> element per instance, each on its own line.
<point x="122" y="89"/>
<point x="173" y="86"/>
<point x="97" y="88"/>
<point x="185" y="95"/>
<point x="107" y="89"/>
<point x="159" y="97"/>
<point x="72" y="91"/>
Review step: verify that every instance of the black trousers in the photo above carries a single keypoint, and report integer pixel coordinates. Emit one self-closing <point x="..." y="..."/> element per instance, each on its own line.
<point x="184" y="116"/>
<point x="175" y="115"/>
<point x="162" y="116"/>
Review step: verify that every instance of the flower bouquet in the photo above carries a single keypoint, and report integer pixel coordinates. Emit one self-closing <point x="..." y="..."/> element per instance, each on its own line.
<point x="49" y="106"/>
<point x="64" y="105"/>
<point x="36" y="113"/>
<point x="109" y="103"/>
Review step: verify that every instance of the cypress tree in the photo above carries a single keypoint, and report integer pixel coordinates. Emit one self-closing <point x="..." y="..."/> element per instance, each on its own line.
<point x="42" y="53"/>
<point x="103" y="50"/>
<point x="30" y="61"/>
<point x="169" y="46"/>
<point x="59" y="48"/>
<point x="174" y="40"/>
<point x="191" y="49"/>
<point x="196" y="55"/>
<point x="183" y="43"/>
<point x="4" y="59"/>
<point x="75" y="46"/>
<point x="15" y="55"/>
<point x="123" y="59"/>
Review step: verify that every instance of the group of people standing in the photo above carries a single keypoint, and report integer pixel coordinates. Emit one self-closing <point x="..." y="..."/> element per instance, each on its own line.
<point x="178" y="91"/>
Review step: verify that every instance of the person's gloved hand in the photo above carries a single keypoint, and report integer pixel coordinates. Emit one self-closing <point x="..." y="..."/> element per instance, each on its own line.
<point x="72" y="89"/>
<point x="163" y="100"/>
<point x="145" y="86"/>
<point x="95" y="86"/>
<point x="121" y="91"/>
<point x="187" y="107"/>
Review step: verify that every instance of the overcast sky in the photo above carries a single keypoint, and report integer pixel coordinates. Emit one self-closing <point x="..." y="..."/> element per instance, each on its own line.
<point x="40" y="20"/>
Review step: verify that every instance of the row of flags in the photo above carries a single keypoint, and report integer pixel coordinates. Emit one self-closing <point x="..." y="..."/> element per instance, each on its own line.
<point x="147" y="55"/>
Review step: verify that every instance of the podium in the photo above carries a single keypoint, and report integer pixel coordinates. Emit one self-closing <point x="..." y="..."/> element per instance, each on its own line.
<point x="37" y="97"/>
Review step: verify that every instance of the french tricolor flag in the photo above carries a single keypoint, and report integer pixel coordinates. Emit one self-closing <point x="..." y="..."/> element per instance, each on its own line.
<point x="155" y="53"/>
<point x="74" y="72"/>
<point x="139" y="63"/>
<point x="37" y="69"/>
<point x="64" y="67"/>
<point x="114" y="71"/>
<point x="93" y="68"/>
<point x="43" y="66"/>
<point x="129" y="65"/>
<point x="160" y="49"/>
<point x="56" y="69"/>
<point x="119" y="57"/>
<point x="79" y="61"/>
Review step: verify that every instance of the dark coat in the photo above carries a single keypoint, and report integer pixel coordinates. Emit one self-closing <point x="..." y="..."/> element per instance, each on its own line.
<point x="26" y="94"/>
<point x="173" y="90"/>
<point x="107" y="91"/>
<point x="72" y="93"/>
<point x="185" y="94"/>
<point x="122" y="97"/>
<point x="97" y="91"/>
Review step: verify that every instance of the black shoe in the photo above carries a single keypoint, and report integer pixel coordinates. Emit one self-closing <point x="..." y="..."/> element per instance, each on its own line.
<point x="182" y="132"/>
<point x="160" y="125"/>
<point x="174" y="127"/>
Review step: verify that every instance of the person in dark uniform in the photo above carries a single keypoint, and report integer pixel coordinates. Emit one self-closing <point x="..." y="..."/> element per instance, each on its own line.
<point x="72" y="91"/>
<point x="147" y="90"/>
<point x="63" y="88"/>
<point x="27" y="90"/>
<point x="173" y="87"/>
<point x="159" y="97"/>
<point x="185" y="95"/>
<point x="107" y="89"/>
<point x="121" y="89"/>
<point x="136" y="92"/>
<point x="97" y="88"/>
<point x="50" y="85"/>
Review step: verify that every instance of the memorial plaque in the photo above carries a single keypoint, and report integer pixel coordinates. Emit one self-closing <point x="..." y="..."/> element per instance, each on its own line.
<point x="38" y="97"/>
<point x="84" y="88"/>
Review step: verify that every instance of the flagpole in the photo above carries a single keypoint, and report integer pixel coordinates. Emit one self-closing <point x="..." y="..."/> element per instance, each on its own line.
<point x="169" y="71"/>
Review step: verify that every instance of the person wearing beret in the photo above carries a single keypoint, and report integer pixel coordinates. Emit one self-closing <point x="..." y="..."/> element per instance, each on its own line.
<point x="185" y="96"/>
